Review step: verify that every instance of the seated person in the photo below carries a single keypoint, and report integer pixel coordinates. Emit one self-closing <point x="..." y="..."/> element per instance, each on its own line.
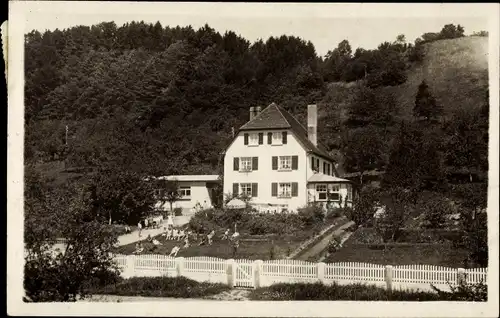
<point x="174" y="251"/>
<point x="156" y="242"/>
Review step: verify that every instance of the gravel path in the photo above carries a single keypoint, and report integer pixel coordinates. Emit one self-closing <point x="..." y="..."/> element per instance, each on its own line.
<point x="321" y="245"/>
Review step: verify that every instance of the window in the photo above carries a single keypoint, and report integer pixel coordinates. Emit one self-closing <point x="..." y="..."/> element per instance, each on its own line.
<point x="246" y="164"/>
<point x="254" y="139"/>
<point x="321" y="191"/>
<point x="285" y="190"/>
<point x="246" y="189"/>
<point x="277" y="140"/>
<point x="285" y="163"/>
<point x="333" y="192"/>
<point x="185" y="192"/>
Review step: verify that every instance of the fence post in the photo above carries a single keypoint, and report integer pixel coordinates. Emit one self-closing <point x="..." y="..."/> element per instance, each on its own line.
<point x="388" y="277"/>
<point x="321" y="272"/>
<point x="230" y="272"/>
<point x="129" y="266"/>
<point x="179" y="266"/>
<point x="257" y="267"/>
<point x="461" y="279"/>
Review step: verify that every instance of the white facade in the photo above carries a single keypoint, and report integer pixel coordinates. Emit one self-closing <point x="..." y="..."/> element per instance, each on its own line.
<point x="195" y="192"/>
<point x="276" y="166"/>
<point x="264" y="176"/>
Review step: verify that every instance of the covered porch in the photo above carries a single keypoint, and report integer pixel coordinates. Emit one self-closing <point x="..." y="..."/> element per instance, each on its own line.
<point x="329" y="191"/>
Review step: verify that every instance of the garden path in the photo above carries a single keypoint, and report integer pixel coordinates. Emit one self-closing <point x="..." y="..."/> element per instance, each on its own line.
<point x="323" y="243"/>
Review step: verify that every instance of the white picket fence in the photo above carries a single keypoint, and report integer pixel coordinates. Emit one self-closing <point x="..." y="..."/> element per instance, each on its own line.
<point x="254" y="274"/>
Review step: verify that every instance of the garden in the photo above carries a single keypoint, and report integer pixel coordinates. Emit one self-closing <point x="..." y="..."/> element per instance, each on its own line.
<point x="428" y="228"/>
<point x="261" y="236"/>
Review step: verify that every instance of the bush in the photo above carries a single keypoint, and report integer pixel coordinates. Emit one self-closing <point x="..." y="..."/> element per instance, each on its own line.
<point x="179" y="287"/>
<point x="335" y="213"/>
<point x="318" y="291"/>
<point x="178" y="211"/>
<point x="311" y="215"/>
<point x="464" y="292"/>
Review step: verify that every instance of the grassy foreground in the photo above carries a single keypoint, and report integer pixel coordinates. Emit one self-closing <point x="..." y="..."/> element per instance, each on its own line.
<point x="318" y="291"/>
<point x="176" y="287"/>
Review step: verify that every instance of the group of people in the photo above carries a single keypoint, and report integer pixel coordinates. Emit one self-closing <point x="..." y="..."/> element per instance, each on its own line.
<point x="183" y="234"/>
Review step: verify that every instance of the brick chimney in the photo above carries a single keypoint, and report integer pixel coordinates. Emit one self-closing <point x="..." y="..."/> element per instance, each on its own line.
<point x="252" y="112"/>
<point x="312" y="124"/>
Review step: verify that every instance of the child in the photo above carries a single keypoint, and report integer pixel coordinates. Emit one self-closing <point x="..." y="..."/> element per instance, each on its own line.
<point x="210" y="236"/>
<point x="146" y="223"/>
<point x="174" y="251"/>
<point x="186" y="242"/>
<point x="156" y="242"/>
<point x="181" y="234"/>
<point x="149" y="238"/>
<point x="139" y="226"/>
<point x="226" y="235"/>
<point x="175" y="234"/>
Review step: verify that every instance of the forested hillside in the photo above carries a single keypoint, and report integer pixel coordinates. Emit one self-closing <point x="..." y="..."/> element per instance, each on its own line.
<point x="160" y="100"/>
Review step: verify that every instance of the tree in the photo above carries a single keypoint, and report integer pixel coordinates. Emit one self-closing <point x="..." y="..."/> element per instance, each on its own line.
<point x="425" y="104"/>
<point x="169" y="192"/>
<point x="63" y="276"/>
<point x="416" y="160"/>
<point x="121" y="196"/>
<point x="363" y="150"/>
<point x="436" y="210"/>
<point x="450" y="31"/>
<point x="365" y="205"/>
<point x="467" y="145"/>
<point x="397" y="202"/>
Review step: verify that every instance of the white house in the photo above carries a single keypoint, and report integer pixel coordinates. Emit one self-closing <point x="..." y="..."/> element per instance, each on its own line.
<point x="195" y="190"/>
<point x="276" y="161"/>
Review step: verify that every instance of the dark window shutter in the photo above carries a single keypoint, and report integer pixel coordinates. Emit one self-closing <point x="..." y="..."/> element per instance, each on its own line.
<point x="284" y="140"/>
<point x="295" y="189"/>
<point x="269" y="138"/>
<point x="245" y="136"/>
<point x="295" y="162"/>
<point x="235" y="189"/>
<point x="275" y="163"/>
<point x="312" y="163"/>
<point x="255" y="163"/>
<point x="261" y="138"/>
<point x="317" y="164"/>
<point x="236" y="164"/>
<point x="274" y="189"/>
<point x="255" y="192"/>
<point x="324" y="167"/>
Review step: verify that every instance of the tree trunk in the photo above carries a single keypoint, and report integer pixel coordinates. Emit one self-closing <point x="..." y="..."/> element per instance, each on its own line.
<point x="110" y="218"/>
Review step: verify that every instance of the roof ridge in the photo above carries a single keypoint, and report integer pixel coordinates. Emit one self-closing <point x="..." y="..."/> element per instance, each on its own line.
<point x="260" y="112"/>
<point x="281" y="113"/>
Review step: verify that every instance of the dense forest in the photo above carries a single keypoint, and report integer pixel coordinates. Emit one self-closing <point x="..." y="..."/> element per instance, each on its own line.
<point x="160" y="100"/>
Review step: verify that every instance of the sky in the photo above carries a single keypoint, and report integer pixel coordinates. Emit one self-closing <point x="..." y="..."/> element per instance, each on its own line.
<point x="324" y="25"/>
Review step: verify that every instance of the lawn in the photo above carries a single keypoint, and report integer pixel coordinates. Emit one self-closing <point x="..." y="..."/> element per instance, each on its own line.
<point x="178" y="287"/>
<point x="251" y="247"/>
<point x="435" y="254"/>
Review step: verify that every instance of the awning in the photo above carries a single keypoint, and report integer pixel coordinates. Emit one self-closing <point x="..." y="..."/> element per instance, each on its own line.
<point x="236" y="204"/>
<point x="320" y="177"/>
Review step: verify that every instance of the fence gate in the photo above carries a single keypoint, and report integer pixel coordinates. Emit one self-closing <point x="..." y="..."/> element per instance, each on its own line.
<point x="244" y="274"/>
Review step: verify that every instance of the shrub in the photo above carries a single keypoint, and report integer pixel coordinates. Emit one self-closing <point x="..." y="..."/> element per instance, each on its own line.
<point x="178" y="211"/>
<point x="311" y="215"/>
<point x="436" y="210"/>
<point x="319" y="291"/>
<point x="179" y="287"/>
<point x="464" y="292"/>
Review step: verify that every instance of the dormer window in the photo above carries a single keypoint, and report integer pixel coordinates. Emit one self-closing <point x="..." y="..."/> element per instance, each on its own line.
<point x="277" y="138"/>
<point x="253" y="139"/>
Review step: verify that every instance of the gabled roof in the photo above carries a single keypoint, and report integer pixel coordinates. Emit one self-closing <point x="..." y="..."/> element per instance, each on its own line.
<point x="275" y="117"/>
